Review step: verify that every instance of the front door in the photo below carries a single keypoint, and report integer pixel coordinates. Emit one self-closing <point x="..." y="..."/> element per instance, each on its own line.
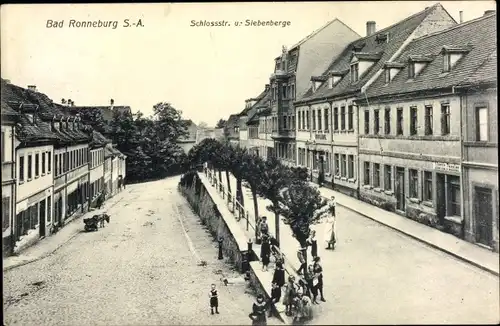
<point x="440" y="197"/>
<point x="484" y="215"/>
<point x="42" y="220"/>
<point x="400" y="189"/>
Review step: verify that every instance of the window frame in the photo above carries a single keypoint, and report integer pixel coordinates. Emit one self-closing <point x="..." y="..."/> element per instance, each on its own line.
<point x="366" y="174"/>
<point x="376" y="121"/>
<point x="445" y="119"/>
<point x="350" y="166"/>
<point x="413" y="183"/>
<point x="428" y="120"/>
<point x="477" y="109"/>
<point x="387" y="121"/>
<point x="427" y="194"/>
<point x="342" y="117"/>
<point x="376" y="175"/>
<point x="355" y="72"/>
<point x="336" y="123"/>
<point x="387" y="177"/>
<point x="367" y="121"/>
<point x="399" y="121"/>
<point x="413" y="120"/>
<point x="350" y="117"/>
<point x="30" y="167"/>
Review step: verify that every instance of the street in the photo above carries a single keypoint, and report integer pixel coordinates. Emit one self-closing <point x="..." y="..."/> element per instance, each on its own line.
<point x="379" y="276"/>
<point x="138" y="270"/>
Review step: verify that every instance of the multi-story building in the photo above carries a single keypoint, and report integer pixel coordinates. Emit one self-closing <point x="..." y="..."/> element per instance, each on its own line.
<point x="327" y="115"/>
<point x="480" y="139"/>
<point x="9" y="119"/>
<point x="96" y="166"/>
<point x="187" y="142"/>
<point x="232" y="129"/>
<point x="256" y="143"/>
<point x="290" y="80"/>
<point x="410" y="142"/>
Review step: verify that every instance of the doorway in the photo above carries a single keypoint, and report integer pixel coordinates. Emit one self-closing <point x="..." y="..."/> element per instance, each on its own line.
<point x="484" y="215"/>
<point x="440" y="197"/>
<point x="42" y="220"/>
<point x="400" y="189"/>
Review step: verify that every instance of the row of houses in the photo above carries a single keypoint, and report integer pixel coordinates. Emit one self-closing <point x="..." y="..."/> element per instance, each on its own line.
<point x="196" y="134"/>
<point x="54" y="165"/>
<point x="404" y="118"/>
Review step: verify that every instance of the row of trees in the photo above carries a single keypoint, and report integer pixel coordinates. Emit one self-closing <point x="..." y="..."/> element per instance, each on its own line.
<point x="150" y="143"/>
<point x="287" y="188"/>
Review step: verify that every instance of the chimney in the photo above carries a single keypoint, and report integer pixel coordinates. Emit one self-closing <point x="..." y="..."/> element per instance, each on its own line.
<point x="371" y="27"/>
<point x="70" y="102"/>
<point x="461" y="14"/>
<point x="267" y="87"/>
<point x="7" y="81"/>
<point x="112" y="102"/>
<point x="489" y="12"/>
<point x="63" y="101"/>
<point x="32" y="88"/>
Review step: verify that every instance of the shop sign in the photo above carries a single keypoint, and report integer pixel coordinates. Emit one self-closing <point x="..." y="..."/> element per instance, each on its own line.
<point x="447" y="167"/>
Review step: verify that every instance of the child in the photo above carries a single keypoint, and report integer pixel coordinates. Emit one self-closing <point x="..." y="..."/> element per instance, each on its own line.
<point x="275" y="296"/>
<point x="214" y="300"/>
<point x="258" y="314"/>
<point x="265" y="252"/>
<point x="290" y="291"/>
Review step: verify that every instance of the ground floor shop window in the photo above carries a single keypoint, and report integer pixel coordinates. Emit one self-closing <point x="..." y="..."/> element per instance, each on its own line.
<point x="427" y="186"/>
<point x="367" y="173"/>
<point x="413" y="174"/>
<point x="454" y="192"/>
<point x="5" y="213"/>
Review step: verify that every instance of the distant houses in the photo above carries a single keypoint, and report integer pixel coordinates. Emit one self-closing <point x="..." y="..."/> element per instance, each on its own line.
<point x="53" y="165"/>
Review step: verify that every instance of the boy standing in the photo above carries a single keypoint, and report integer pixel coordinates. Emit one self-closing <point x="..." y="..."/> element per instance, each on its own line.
<point x="214" y="300"/>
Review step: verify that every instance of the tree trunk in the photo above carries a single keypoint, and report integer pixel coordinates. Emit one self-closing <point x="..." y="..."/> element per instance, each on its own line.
<point x="220" y="179"/>
<point x="277" y="225"/>
<point x="256" y="211"/>
<point x="228" y="180"/>
<point x="239" y="194"/>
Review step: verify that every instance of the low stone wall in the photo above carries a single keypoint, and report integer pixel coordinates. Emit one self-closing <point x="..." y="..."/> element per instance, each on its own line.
<point x="204" y="206"/>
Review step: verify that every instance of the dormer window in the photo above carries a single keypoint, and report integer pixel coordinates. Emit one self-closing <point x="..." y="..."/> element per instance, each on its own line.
<point x="30" y="117"/>
<point x="354" y="72"/>
<point x="411" y="70"/>
<point x="452" y="54"/>
<point x="335" y="77"/>
<point x="416" y="63"/>
<point x="387" y="76"/>
<point x="382" y="38"/>
<point x="391" y="70"/>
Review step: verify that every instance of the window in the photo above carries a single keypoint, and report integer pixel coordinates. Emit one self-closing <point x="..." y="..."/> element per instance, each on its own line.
<point x="292" y="91"/>
<point x="376" y="175"/>
<point x="454" y="183"/>
<point x="30" y="167"/>
<point x="299" y="119"/>
<point x="307" y="120"/>
<point x="350" y="118"/>
<point x="3" y="146"/>
<point x="342" y="118"/>
<point x="49" y="162"/>
<point x="350" y="166"/>
<point x="37" y="165"/>
<point x="314" y="119"/>
<point x="56" y="161"/>
<point x="337" y="164"/>
<point x="388" y="177"/>
<point x="49" y="208"/>
<point x="326" y="119"/>
<point x="367" y="173"/>
<point x="399" y="117"/>
<point x="335" y="118"/>
<point x="343" y="166"/>
<point x="21" y="168"/>
<point x="482" y="124"/>
<point x="445" y="119"/>
<point x="387" y="121"/>
<point x="367" y="122"/>
<point x="413" y="183"/>
<point x="354" y="72"/>
<point x="284" y="91"/>
<point x="428" y="119"/>
<point x="5" y="211"/>
<point x="413" y="120"/>
<point x="284" y="122"/>
<point x="43" y="163"/>
<point x="387" y="76"/>
<point x="411" y="70"/>
<point x="376" y="122"/>
<point x="319" y="119"/>
<point x="446" y="62"/>
<point x="427" y="191"/>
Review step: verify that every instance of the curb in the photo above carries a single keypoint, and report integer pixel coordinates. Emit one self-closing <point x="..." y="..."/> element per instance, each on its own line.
<point x="484" y="268"/>
<point x="45" y="255"/>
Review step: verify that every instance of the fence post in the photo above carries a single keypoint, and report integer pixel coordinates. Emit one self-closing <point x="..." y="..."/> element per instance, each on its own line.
<point x="247" y="221"/>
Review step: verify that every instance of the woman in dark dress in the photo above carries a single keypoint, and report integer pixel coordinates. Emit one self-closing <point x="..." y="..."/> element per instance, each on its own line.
<point x="279" y="274"/>
<point x="265" y="252"/>
<point x="313" y="242"/>
<point x="258" y="315"/>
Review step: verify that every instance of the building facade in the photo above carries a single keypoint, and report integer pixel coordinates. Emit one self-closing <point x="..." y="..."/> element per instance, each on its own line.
<point x="232" y="130"/>
<point x="333" y="94"/>
<point x="410" y="149"/>
<point x="187" y="142"/>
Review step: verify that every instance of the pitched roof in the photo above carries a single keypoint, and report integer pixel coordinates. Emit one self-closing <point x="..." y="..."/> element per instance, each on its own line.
<point x="98" y="139"/>
<point x="261" y="108"/>
<point x="479" y="35"/>
<point x="373" y="48"/>
<point x="233" y="121"/>
<point x="107" y="111"/>
<point x="486" y="73"/>
<point x="257" y="99"/>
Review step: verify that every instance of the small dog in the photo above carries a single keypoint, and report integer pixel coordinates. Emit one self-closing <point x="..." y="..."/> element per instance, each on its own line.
<point x="101" y="218"/>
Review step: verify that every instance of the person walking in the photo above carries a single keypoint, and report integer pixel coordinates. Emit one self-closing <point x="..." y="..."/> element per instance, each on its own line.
<point x="100" y="200"/>
<point x="313" y="242"/>
<point x="312" y="291"/>
<point x="302" y="260"/>
<point x="318" y="275"/>
<point x="263" y="226"/>
<point x="214" y="300"/>
<point x="265" y="252"/>
<point x="258" y="314"/>
<point x="289" y="295"/>
<point x="279" y="274"/>
<point x="275" y="296"/>
<point x="330" y="229"/>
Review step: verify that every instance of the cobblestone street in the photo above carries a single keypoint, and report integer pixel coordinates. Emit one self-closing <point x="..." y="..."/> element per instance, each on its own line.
<point x="138" y="270"/>
<point x="379" y="276"/>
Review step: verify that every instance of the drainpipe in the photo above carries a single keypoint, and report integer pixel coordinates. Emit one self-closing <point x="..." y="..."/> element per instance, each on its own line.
<point x="14" y="192"/>
<point x="462" y="188"/>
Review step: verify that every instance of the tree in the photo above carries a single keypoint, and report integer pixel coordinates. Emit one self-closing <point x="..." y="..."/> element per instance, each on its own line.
<point x="94" y="117"/>
<point x="252" y="173"/>
<point x="237" y="167"/>
<point x="168" y="122"/>
<point x="275" y="178"/>
<point x="221" y="123"/>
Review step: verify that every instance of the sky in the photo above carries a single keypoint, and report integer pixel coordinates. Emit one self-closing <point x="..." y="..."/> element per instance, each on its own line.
<point x="206" y="72"/>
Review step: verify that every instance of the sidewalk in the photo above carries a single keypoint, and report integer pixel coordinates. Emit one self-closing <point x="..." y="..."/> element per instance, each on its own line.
<point x="50" y="244"/>
<point x="461" y="249"/>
